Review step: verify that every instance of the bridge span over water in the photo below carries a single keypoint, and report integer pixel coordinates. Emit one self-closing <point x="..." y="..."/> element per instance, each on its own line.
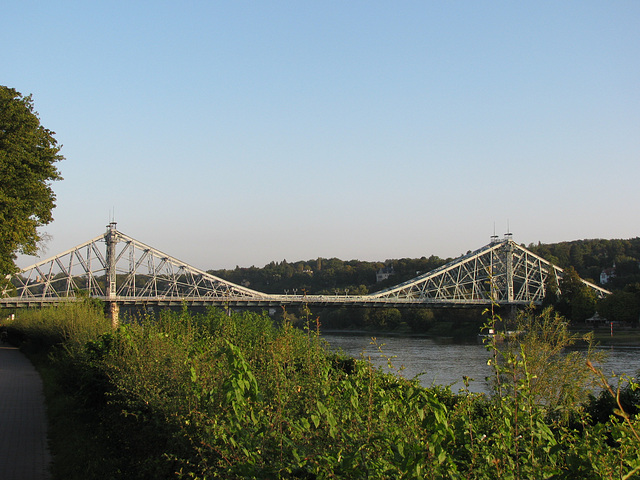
<point x="120" y="270"/>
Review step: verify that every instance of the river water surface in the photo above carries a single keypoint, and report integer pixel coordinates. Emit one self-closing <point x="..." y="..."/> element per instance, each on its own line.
<point x="446" y="363"/>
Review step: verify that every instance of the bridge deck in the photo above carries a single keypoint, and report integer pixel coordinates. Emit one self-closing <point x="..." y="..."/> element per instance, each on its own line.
<point x="262" y="301"/>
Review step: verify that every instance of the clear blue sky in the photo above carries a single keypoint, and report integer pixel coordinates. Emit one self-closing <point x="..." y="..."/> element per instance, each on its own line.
<point x="236" y="133"/>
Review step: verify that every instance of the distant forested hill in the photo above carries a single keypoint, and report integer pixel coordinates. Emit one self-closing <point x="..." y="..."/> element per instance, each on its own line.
<point x="331" y="275"/>
<point x="327" y="275"/>
<point x="591" y="257"/>
<point x="620" y="258"/>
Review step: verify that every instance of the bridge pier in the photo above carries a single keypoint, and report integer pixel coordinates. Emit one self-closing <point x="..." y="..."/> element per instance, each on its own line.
<point x="114" y="314"/>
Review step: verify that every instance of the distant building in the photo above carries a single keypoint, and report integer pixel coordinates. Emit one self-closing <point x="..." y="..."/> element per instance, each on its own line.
<point x="384" y="273"/>
<point x="596" y="319"/>
<point x="607" y="274"/>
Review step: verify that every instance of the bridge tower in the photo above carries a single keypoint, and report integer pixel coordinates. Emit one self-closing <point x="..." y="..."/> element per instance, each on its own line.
<point x="509" y="268"/>
<point x="111" y="239"/>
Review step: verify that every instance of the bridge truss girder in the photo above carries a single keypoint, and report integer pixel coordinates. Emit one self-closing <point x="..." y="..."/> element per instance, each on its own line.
<point x="502" y="272"/>
<point x="129" y="269"/>
<point x="133" y="273"/>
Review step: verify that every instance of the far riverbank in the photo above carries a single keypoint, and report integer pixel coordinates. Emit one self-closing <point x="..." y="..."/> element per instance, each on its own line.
<point x="620" y="336"/>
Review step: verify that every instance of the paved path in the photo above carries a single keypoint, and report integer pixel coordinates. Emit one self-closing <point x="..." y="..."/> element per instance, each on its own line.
<point x="24" y="454"/>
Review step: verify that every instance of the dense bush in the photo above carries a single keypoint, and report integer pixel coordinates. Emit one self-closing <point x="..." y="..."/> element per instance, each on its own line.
<point x="222" y="395"/>
<point x="66" y="324"/>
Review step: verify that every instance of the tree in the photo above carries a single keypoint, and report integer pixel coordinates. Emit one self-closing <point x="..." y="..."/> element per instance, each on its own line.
<point x="28" y="153"/>
<point x="539" y="358"/>
<point x="622" y="305"/>
<point x="386" y="317"/>
<point x="552" y="292"/>
<point x="577" y="301"/>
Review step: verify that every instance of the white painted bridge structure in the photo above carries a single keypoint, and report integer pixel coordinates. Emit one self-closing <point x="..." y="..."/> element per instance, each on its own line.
<point x="120" y="270"/>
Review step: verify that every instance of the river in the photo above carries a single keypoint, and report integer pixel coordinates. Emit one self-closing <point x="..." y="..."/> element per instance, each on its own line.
<point x="444" y="362"/>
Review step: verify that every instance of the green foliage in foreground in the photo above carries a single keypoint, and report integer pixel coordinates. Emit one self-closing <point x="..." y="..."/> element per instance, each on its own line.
<point x="232" y="396"/>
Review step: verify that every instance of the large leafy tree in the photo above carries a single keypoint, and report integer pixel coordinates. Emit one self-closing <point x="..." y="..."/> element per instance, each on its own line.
<point x="577" y="301"/>
<point x="28" y="154"/>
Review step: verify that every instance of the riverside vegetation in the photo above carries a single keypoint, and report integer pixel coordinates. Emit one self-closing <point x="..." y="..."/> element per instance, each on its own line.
<point x="231" y="395"/>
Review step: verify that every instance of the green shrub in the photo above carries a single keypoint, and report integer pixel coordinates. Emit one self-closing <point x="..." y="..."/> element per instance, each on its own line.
<point x="71" y="324"/>
<point x="230" y="395"/>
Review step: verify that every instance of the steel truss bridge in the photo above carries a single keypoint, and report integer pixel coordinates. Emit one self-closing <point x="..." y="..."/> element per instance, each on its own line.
<point x="120" y="270"/>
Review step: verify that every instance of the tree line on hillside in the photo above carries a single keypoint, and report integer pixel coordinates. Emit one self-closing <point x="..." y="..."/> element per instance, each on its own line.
<point x="327" y="276"/>
<point x="330" y="276"/>
<point x="590" y="257"/>
<point x="619" y="259"/>
<point x="584" y="259"/>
